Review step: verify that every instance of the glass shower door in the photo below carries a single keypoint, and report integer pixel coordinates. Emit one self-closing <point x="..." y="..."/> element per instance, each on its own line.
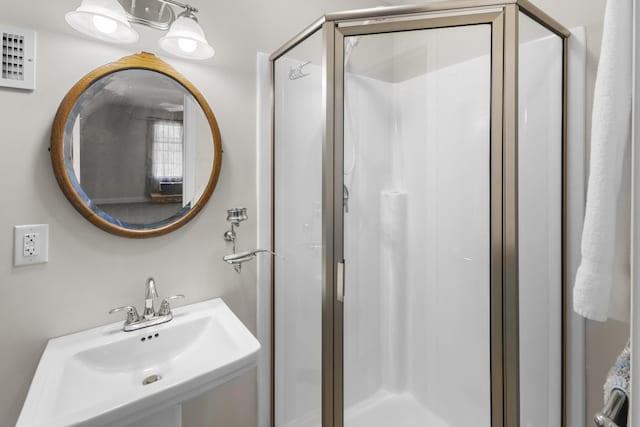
<point x="297" y="292"/>
<point x="417" y="228"/>
<point x="540" y="224"/>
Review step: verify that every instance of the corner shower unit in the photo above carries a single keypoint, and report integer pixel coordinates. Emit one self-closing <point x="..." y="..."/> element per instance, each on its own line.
<point x="418" y="169"/>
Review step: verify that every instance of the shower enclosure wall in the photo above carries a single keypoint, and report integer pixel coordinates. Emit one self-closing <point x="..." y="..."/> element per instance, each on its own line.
<point x="417" y="195"/>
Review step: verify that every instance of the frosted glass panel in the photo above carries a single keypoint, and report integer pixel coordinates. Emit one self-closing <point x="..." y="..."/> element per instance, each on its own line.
<point x="540" y="224"/>
<point x="417" y="228"/>
<point x="297" y="231"/>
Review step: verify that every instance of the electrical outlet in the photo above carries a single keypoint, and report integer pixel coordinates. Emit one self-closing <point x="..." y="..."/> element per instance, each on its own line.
<point x="31" y="244"/>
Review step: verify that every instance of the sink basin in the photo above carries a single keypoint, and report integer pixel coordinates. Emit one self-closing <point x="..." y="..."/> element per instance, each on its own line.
<point x="105" y="376"/>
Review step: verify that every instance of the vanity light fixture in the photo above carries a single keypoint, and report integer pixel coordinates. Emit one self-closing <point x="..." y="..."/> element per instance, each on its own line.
<point x="110" y="20"/>
<point x="103" y="19"/>
<point x="186" y="38"/>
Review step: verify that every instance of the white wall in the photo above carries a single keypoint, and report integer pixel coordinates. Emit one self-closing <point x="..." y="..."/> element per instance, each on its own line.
<point x="91" y="271"/>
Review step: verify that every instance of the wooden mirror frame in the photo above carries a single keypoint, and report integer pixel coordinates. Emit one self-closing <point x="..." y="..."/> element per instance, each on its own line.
<point x="141" y="61"/>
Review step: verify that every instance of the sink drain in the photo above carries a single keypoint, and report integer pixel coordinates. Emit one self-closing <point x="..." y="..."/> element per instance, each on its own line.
<point x="151" y="379"/>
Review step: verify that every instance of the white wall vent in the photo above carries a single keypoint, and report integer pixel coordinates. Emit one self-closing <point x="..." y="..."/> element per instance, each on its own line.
<point x="18" y="58"/>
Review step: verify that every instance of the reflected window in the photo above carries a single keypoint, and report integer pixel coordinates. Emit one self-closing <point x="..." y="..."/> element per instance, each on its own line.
<point x="167" y="157"/>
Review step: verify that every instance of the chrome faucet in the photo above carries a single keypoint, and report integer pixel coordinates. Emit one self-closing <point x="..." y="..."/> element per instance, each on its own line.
<point x="150" y="294"/>
<point x="149" y="316"/>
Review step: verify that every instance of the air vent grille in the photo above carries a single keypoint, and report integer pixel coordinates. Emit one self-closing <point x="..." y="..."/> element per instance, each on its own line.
<point x="18" y="58"/>
<point x="12" y="56"/>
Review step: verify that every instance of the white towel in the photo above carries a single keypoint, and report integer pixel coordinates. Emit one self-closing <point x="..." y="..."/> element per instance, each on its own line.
<point x="602" y="282"/>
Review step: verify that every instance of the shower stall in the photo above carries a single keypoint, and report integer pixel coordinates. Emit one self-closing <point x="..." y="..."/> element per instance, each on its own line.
<point x="418" y="179"/>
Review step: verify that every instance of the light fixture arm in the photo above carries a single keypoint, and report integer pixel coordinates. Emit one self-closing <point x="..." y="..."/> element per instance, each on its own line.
<point x="187" y="7"/>
<point x="110" y="20"/>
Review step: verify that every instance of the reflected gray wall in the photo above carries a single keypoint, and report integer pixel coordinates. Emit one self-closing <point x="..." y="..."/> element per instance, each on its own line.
<point x="141" y="213"/>
<point x="114" y="150"/>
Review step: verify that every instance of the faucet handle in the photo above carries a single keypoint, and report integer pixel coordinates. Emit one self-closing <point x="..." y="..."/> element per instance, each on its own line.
<point x="132" y="313"/>
<point x="165" y="307"/>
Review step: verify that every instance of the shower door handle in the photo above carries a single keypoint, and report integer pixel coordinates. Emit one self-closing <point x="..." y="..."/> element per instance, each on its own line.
<point x="340" y="281"/>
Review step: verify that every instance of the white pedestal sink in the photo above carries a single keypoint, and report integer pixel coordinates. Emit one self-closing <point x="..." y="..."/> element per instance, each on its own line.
<point x="107" y="377"/>
<point x="170" y="417"/>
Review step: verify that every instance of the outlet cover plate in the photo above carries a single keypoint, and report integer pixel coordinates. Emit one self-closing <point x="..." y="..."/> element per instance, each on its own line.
<point x="31" y="244"/>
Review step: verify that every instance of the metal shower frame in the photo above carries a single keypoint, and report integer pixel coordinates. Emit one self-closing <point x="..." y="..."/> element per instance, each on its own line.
<point x="503" y="17"/>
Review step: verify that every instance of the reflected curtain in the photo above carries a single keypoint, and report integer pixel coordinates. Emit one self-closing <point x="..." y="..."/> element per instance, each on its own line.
<point x="166" y="154"/>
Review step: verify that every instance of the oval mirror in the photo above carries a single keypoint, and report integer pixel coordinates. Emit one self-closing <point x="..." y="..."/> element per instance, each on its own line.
<point x="136" y="148"/>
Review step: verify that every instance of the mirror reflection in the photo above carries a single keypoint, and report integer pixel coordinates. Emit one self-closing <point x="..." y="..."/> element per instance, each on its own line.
<point x="140" y="148"/>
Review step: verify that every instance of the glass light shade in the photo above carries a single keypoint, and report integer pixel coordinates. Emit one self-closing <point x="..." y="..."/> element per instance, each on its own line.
<point x="102" y="19"/>
<point x="186" y="40"/>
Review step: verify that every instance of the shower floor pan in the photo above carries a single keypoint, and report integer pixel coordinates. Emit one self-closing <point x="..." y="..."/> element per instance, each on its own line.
<point x="382" y="409"/>
<point x="385" y="409"/>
